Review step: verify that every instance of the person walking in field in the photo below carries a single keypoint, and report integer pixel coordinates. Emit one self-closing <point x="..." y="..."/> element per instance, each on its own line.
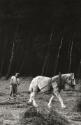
<point x="14" y="82"/>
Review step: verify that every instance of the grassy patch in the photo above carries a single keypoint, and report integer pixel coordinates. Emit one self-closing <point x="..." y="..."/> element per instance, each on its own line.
<point x="34" y="117"/>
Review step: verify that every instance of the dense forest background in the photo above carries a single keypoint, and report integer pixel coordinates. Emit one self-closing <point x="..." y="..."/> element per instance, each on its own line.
<point x="40" y="37"/>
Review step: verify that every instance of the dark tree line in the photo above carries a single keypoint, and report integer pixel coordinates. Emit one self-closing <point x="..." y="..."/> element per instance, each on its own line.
<point x="39" y="37"/>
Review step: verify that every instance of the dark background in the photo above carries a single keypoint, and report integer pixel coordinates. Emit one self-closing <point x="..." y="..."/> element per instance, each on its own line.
<point x="31" y="32"/>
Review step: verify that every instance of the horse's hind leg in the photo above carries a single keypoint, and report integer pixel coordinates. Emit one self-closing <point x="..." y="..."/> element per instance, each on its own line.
<point x="50" y="101"/>
<point x="32" y="99"/>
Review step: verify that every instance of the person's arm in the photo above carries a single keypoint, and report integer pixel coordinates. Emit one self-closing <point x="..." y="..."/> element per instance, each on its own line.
<point x="18" y="81"/>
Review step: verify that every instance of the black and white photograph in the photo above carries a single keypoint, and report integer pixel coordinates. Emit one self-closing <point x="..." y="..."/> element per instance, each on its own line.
<point x="40" y="62"/>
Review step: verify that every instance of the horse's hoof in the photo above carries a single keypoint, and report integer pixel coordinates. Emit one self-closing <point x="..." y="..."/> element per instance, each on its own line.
<point x="63" y="106"/>
<point x="49" y="106"/>
<point x="29" y="102"/>
<point x="36" y="106"/>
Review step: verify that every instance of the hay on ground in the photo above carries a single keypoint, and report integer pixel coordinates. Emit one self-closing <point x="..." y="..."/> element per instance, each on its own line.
<point x="34" y="117"/>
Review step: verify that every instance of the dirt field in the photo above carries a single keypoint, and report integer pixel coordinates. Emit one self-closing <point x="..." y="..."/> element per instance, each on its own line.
<point x="18" y="112"/>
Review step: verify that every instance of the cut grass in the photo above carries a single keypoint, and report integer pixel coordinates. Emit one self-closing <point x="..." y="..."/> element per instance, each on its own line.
<point x="34" y="117"/>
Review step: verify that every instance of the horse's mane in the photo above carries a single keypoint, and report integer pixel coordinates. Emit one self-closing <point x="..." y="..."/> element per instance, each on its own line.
<point x="54" y="78"/>
<point x="63" y="77"/>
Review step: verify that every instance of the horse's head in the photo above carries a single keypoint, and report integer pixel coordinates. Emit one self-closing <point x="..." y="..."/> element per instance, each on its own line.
<point x="70" y="80"/>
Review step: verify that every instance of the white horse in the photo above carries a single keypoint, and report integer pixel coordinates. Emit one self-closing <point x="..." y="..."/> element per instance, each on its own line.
<point x="52" y="85"/>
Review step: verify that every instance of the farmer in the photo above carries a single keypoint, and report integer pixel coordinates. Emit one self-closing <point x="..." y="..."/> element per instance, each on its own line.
<point x="14" y="82"/>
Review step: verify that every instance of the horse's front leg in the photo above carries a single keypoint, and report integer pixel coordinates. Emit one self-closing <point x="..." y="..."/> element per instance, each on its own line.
<point x="32" y="99"/>
<point x="50" y="101"/>
<point x="60" y="99"/>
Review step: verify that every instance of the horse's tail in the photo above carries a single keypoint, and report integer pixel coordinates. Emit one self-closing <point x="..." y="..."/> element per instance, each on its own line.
<point x="30" y="88"/>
